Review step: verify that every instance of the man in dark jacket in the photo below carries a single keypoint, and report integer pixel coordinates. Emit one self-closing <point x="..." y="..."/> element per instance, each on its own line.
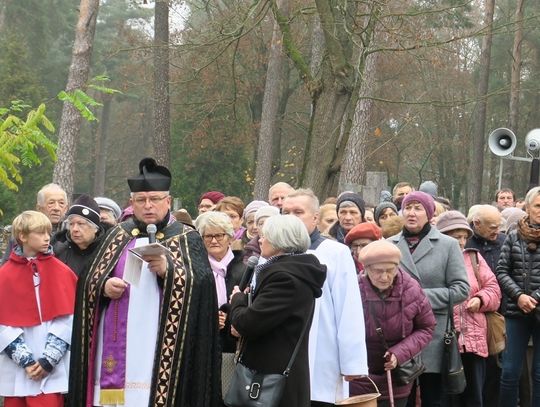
<point x="487" y="237"/>
<point x="488" y="240"/>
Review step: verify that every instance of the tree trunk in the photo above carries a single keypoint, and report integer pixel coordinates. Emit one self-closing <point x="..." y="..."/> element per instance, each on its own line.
<point x="79" y="69"/>
<point x="353" y="168"/>
<point x="513" y="108"/>
<point x="162" y="125"/>
<point x="270" y="106"/>
<point x="330" y="98"/>
<point x="477" y="145"/>
<point x="353" y="151"/>
<point x="101" y="148"/>
<point x="317" y="46"/>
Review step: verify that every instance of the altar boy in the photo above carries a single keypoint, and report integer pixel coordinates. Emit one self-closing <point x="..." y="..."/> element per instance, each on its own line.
<point x="37" y="297"/>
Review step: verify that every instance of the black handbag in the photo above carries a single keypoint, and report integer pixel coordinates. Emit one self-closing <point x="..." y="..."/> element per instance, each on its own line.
<point x="408" y="371"/>
<point x="250" y="388"/>
<point x="453" y="375"/>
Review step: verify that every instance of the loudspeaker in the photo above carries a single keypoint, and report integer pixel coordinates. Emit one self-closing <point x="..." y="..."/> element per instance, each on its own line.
<point x="502" y="142"/>
<point x="532" y="141"/>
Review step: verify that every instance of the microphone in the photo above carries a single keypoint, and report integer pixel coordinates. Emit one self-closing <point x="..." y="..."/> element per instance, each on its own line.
<point x="248" y="272"/>
<point x="151" y="229"/>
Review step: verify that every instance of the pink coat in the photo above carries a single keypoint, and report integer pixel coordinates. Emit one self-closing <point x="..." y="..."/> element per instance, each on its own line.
<point x="472" y="325"/>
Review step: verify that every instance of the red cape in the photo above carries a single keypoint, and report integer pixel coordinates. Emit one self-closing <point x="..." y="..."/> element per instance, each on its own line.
<point x="18" y="303"/>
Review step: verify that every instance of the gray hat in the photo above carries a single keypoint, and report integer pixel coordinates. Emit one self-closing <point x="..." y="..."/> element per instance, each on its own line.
<point x="453" y="220"/>
<point x="109" y="204"/>
<point x="429" y="187"/>
<point x="380" y="209"/>
<point x="265" y="212"/>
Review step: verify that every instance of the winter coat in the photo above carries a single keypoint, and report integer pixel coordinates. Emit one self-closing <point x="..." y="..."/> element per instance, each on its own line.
<point x="271" y="326"/>
<point x="473" y="325"/>
<point x="407" y="322"/>
<point x="79" y="260"/>
<point x="437" y="264"/>
<point x="518" y="272"/>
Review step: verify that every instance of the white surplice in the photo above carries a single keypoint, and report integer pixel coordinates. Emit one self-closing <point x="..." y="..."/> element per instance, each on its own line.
<point x="142" y="332"/>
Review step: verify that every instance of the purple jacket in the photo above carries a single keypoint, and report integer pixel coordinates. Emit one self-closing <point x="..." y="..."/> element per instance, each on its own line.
<point x="473" y="325"/>
<point x="407" y="322"/>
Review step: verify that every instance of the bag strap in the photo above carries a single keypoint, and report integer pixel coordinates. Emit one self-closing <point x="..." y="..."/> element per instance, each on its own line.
<point x="474" y="261"/>
<point x="296" y="348"/>
<point x="450" y="327"/>
<point x="378" y="327"/>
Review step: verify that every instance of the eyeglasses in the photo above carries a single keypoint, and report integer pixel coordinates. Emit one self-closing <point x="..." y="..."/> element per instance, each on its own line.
<point x="379" y="272"/>
<point x="218" y="236"/>
<point x="154" y="200"/>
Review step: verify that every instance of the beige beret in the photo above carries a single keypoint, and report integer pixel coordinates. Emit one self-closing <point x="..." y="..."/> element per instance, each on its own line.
<point x="379" y="251"/>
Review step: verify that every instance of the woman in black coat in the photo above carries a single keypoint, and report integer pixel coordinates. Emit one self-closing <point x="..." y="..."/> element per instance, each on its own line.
<point x="83" y="235"/>
<point x="284" y="291"/>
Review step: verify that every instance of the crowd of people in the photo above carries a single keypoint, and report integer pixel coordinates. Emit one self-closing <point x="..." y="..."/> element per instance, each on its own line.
<point x="141" y="306"/>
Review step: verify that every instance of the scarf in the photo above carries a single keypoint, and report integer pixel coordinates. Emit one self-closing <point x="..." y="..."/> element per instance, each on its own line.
<point x="239" y="233"/>
<point x="530" y="234"/>
<point x="220" y="271"/>
<point x="413" y="239"/>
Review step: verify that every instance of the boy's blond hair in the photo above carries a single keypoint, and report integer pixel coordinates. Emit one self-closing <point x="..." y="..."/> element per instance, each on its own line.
<point x="30" y="221"/>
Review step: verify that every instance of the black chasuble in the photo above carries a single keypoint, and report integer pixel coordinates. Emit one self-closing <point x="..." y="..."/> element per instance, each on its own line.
<point x="187" y="362"/>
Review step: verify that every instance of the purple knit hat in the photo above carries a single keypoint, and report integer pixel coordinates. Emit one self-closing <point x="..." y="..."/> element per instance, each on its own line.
<point x="424" y="199"/>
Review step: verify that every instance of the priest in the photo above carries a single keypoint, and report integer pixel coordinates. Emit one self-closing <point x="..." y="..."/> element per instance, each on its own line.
<point x="152" y="341"/>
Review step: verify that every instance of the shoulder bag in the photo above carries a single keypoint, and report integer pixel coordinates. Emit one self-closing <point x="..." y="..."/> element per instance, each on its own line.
<point x="250" y="388"/>
<point x="408" y="371"/>
<point x="496" y="327"/>
<point x="452" y="372"/>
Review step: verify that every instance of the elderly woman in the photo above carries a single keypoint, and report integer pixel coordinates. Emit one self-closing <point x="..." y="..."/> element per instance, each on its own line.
<point x="394" y="302"/>
<point x="83" y="235"/>
<point x="359" y="237"/>
<point x="385" y="211"/>
<point x="249" y="219"/>
<point x="436" y="262"/>
<point x="518" y="273"/>
<point x="469" y="316"/>
<point x="217" y="232"/>
<point x="283" y="298"/>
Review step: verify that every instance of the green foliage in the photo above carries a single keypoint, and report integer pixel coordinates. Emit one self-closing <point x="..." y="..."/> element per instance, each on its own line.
<point x="20" y="141"/>
<point x="82" y="101"/>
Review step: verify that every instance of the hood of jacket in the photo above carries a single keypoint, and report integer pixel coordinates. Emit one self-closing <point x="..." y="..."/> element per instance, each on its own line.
<point x="305" y="267"/>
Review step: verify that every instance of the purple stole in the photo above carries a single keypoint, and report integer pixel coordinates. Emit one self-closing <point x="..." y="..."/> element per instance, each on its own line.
<point x="113" y="359"/>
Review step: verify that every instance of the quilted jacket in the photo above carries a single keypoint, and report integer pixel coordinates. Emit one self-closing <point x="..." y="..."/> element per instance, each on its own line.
<point x="472" y="325"/>
<point x="518" y="272"/>
<point x="407" y="322"/>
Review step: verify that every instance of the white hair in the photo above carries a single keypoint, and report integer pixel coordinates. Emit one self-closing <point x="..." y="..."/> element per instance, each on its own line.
<point x="214" y="219"/>
<point x="531" y="195"/>
<point x="286" y="233"/>
<point x="40" y="199"/>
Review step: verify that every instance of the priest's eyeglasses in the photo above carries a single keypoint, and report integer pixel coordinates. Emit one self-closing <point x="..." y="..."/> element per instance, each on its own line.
<point x="154" y="200"/>
<point x="218" y="236"/>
